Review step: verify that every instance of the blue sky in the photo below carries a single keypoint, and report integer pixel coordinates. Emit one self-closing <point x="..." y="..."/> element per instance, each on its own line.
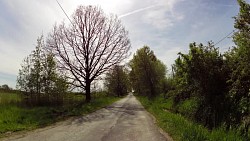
<point x="167" y="26"/>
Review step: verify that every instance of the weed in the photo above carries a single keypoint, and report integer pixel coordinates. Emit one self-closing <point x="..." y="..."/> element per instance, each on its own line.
<point x="181" y="128"/>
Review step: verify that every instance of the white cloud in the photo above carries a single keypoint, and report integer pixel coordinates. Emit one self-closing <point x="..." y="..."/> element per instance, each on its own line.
<point x="169" y="55"/>
<point x="163" y="16"/>
<point x="10" y="58"/>
<point x="137" y="11"/>
<point x="159" y="14"/>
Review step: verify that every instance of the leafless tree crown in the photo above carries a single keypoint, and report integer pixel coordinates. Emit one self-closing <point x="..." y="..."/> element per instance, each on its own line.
<point x="90" y="45"/>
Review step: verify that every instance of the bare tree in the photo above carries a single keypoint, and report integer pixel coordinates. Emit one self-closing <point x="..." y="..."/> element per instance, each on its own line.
<point x="89" y="46"/>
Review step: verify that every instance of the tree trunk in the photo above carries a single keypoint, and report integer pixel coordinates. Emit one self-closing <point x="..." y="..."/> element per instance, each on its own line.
<point x="88" y="96"/>
<point x="152" y="90"/>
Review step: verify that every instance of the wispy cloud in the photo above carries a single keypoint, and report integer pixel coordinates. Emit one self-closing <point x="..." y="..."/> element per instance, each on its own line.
<point x="226" y="5"/>
<point x="138" y="10"/>
<point x="163" y="17"/>
<point x="158" y="15"/>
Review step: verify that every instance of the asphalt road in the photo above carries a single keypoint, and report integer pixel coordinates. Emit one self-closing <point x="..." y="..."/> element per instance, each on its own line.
<point x="125" y="120"/>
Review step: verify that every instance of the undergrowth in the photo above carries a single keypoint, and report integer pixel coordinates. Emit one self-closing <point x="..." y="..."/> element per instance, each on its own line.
<point x="181" y="128"/>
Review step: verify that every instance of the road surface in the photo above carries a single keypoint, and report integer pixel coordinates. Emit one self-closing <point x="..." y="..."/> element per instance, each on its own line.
<point x="125" y="120"/>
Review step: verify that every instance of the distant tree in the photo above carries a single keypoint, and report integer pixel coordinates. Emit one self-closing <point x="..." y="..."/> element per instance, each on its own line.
<point x="23" y="78"/>
<point x="5" y="87"/>
<point x="49" y="73"/>
<point x="147" y="73"/>
<point x="117" y="81"/>
<point x="89" y="46"/>
<point x="167" y="85"/>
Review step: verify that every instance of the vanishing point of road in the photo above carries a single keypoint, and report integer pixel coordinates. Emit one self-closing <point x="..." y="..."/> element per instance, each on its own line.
<point x="125" y="120"/>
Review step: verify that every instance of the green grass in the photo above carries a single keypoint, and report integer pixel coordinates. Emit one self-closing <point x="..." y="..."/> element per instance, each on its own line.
<point x="15" y="118"/>
<point x="187" y="108"/>
<point x="6" y="98"/>
<point x="182" y="129"/>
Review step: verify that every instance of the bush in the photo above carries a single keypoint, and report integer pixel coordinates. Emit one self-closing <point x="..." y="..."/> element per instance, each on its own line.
<point x="188" y="107"/>
<point x="181" y="128"/>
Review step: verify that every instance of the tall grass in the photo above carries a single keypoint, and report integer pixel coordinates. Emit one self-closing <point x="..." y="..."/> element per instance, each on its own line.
<point x="7" y="98"/>
<point x="183" y="129"/>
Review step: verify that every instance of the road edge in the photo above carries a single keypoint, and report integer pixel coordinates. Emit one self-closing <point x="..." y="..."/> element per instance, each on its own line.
<point x="165" y="134"/>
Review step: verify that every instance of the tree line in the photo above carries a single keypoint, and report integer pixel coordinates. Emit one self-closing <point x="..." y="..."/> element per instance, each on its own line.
<point x="6" y="88"/>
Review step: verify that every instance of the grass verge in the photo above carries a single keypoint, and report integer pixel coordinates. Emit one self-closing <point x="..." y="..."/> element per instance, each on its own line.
<point x="16" y="118"/>
<point x="182" y="129"/>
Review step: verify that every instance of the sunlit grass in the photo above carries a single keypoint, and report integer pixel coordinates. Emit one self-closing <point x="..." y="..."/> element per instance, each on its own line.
<point x="182" y="129"/>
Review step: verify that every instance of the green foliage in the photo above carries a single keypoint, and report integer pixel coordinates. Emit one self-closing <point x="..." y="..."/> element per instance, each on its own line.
<point x="147" y="73"/>
<point x="188" y="108"/>
<point x="182" y="129"/>
<point x="39" y="77"/>
<point x="200" y="74"/>
<point x="221" y="134"/>
<point x="214" y="89"/>
<point x="239" y="60"/>
<point x="7" y="98"/>
<point x="117" y="81"/>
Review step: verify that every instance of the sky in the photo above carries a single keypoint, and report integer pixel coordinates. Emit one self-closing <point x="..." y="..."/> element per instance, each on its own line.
<point x="166" y="26"/>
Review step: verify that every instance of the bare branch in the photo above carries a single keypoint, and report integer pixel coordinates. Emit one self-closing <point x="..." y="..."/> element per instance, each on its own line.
<point x="91" y="45"/>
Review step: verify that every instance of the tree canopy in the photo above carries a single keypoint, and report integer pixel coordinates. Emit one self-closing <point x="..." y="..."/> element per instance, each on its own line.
<point x="147" y="72"/>
<point x="89" y="46"/>
<point x="117" y="81"/>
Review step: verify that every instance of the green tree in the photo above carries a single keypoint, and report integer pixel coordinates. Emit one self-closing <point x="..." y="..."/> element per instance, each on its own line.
<point x="36" y="69"/>
<point x="117" y="81"/>
<point x="5" y="87"/>
<point x="54" y="82"/>
<point x="220" y="83"/>
<point x="39" y="78"/>
<point x="239" y="58"/>
<point x="23" y="78"/>
<point x="201" y="74"/>
<point x="147" y="73"/>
